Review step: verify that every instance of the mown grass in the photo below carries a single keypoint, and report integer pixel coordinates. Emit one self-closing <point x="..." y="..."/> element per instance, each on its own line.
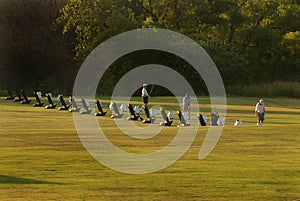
<point x="42" y="157"/>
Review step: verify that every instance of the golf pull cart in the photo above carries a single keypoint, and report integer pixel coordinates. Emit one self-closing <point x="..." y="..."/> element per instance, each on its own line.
<point x="38" y="96"/>
<point x="114" y="107"/>
<point x="100" y="109"/>
<point x="51" y="104"/>
<point x="149" y="118"/>
<point x="25" y="99"/>
<point x="63" y="103"/>
<point x="10" y="95"/>
<point x="75" y="107"/>
<point x="202" y="119"/>
<point x="167" y="121"/>
<point x="19" y="97"/>
<point x="85" y="104"/>
<point x="134" y="115"/>
<point x="182" y="120"/>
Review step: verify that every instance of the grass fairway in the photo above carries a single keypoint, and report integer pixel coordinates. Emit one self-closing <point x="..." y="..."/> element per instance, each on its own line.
<point x="42" y="158"/>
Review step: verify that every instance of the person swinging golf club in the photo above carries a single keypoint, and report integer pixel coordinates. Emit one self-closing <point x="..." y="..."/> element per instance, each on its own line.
<point x="260" y="111"/>
<point x="145" y="96"/>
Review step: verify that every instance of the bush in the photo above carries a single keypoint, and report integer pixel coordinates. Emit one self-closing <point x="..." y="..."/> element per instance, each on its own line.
<point x="3" y="92"/>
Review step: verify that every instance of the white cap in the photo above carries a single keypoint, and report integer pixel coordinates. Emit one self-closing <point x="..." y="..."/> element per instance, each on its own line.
<point x="261" y="100"/>
<point x="144" y="85"/>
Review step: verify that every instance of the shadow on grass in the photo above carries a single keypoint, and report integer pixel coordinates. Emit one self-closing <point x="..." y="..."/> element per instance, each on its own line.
<point x="16" y="180"/>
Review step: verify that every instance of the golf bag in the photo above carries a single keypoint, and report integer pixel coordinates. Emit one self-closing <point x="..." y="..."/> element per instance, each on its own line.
<point x="114" y="107"/>
<point x="10" y="95"/>
<point x="19" y="97"/>
<point x="38" y="96"/>
<point x="73" y="102"/>
<point x="99" y="108"/>
<point x="25" y="99"/>
<point x="51" y="104"/>
<point x="167" y="121"/>
<point x="62" y="101"/>
<point x="182" y="119"/>
<point x="202" y="119"/>
<point x="85" y="104"/>
<point x="134" y="115"/>
<point x="149" y="118"/>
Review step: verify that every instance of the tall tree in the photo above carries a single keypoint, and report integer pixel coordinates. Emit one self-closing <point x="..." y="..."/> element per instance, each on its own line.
<point x="244" y="37"/>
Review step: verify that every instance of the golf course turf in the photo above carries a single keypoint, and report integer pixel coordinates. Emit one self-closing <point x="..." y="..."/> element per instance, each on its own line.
<point x="42" y="157"/>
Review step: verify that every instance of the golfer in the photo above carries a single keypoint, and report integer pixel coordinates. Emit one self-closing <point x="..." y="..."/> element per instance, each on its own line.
<point x="145" y="95"/>
<point x="187" y="105"/>
<point x="260" y="111"/>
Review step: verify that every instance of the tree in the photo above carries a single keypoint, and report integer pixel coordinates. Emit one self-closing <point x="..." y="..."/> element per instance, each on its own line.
<point x="34" y="56"/>
<point x="244" y="37"/>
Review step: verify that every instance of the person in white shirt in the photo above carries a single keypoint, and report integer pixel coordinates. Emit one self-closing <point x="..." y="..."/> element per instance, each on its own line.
<point x="145" y="95"/>
<point x="260" y="111"/>
<point x="187" y="105"/>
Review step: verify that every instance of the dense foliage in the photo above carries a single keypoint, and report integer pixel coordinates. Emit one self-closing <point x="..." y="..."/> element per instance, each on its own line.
<point x="250" y="41"/>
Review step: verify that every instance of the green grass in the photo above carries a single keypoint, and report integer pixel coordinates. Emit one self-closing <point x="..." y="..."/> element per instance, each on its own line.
<point x="42" y="157"/>
<point x="274" y="89"/>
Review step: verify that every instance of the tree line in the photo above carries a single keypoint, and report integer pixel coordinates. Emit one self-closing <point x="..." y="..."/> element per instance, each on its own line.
<point x="251" y="42"/>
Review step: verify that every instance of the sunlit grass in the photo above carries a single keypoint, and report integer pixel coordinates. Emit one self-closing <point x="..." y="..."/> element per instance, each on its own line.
<point x="42" y="157"/>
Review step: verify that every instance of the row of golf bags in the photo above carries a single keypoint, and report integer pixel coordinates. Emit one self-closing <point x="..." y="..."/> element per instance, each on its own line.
<point x="135" y="112"/>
